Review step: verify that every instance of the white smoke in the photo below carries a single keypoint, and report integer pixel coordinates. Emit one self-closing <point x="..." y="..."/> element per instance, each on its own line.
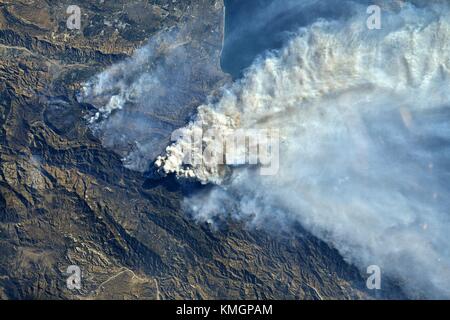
<point x="365" y="152"/>
<point x="365" y="156"/>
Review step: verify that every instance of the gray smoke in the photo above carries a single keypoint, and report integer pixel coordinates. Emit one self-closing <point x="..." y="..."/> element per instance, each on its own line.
<point x="143" y="99"/>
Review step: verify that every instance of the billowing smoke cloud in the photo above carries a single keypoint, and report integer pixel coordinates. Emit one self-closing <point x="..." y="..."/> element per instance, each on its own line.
<point x="365" y="151"/>
<point x="143" y="99"/>
<point x="364" y="154"/>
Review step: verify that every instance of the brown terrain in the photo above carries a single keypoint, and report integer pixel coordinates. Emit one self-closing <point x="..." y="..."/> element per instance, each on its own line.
<point x="66" y="200"/>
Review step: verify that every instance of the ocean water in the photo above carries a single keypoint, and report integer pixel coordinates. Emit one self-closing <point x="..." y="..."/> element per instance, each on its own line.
<point x="254" y="27"/>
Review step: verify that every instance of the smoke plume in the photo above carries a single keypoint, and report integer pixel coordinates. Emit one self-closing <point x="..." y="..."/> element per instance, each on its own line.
<point x="365" y="142"/>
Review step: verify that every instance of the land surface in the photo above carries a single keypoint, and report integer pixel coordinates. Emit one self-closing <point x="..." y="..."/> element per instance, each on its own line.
<point x="66" y="200"/>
